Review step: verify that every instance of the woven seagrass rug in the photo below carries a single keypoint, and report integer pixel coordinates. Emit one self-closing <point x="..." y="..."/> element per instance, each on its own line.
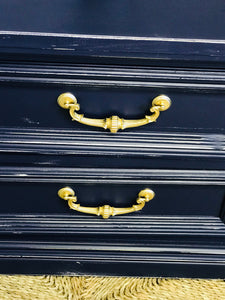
<point x="108" y="288"/>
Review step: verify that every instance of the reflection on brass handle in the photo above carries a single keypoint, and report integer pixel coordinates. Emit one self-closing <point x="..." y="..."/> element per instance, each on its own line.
<point x="105" y="211"/>
<point x="114" y="123"/>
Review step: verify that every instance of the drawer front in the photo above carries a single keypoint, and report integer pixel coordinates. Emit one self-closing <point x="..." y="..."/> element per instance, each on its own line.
<point x="170" y="199"/>
<point x="182" y="225"/>
<point x="35" y="106"/>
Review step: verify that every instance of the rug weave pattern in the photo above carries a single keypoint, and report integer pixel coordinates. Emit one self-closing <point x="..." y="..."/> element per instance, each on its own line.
<point x="108" y="288"/>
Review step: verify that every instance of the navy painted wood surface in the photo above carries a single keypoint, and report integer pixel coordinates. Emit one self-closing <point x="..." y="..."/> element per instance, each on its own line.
<point x="37" y="161"/>
<point x="34" y="147"/>
<point x="35" y="47"/>
<point x="115" y="57"/>
<point x="161" y="246"/>
<point x="167" y="18"/>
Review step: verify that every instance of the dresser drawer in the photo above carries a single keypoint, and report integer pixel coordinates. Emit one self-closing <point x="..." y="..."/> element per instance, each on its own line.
<point x="35" y="106"/>
<point x="180" y="232"/>
<point x="35" y="196"/>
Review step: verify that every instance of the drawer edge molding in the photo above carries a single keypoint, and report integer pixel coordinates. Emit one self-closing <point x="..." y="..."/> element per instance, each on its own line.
<point x="177" y="246"/>
<point x="112" y="76"/>
<point x="77" y="263"/>
<point x="37" y="245"/>
<point x="112" y="176"/>
<point x="171" y="225"/>
<point x="66" y="142"/>
<point x="82" y="48"/>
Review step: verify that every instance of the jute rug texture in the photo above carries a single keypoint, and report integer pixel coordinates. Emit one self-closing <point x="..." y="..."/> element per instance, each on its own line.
<point x="102" y="288"/>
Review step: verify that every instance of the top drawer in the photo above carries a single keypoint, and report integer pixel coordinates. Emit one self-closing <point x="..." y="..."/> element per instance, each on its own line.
<point x="29" y="101"/>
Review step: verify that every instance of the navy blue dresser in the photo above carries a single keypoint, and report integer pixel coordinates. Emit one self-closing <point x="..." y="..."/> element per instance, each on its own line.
<point x="112" y="138"/>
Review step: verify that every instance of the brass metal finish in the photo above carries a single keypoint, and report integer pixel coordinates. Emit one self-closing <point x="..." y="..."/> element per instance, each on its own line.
<point x="105" y="211"/>
<point x="113" y="123"/>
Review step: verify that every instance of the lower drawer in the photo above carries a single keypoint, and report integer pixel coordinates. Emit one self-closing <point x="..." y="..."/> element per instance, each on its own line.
<point x="180" y="232"/>
<point x="170" y="199"/>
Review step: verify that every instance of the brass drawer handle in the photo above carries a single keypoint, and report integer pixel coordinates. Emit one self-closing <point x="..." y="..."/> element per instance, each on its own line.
<point x="105" y="211"/>
<point x="113" y="123"/>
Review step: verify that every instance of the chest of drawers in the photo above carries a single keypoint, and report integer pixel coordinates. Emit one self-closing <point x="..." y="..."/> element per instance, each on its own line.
<point x="140" y="201"/>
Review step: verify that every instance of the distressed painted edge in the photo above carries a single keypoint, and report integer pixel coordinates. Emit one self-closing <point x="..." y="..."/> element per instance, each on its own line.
<point x="131" y="49"/>
<point x="67" y="142"/>
<point x="112" y="76"/>
<point x="112" y="176"/>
